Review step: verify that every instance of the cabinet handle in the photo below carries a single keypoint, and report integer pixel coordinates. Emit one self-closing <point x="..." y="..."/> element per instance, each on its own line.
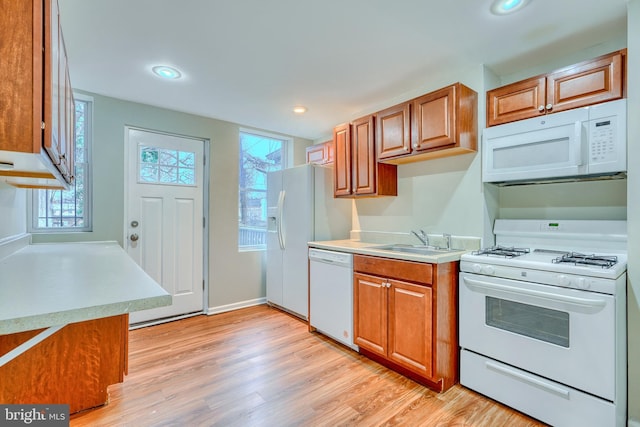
<point x="549" y="106"/>
<point x="541" y="108"/>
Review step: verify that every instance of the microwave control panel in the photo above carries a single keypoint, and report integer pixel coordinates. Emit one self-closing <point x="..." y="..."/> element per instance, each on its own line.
<point x="602" y="140"/>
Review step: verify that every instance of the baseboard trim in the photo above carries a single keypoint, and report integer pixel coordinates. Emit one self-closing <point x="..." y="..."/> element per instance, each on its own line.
<point x="633" y="423"/>
<point x="236" y="306"/>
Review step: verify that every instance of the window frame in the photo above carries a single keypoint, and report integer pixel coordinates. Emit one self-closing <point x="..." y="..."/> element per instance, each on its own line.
<point x="32" y="199"/>
<point x="287" y="144"/>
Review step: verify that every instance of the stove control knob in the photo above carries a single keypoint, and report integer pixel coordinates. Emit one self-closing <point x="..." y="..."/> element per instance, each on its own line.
<point x="563" y="280"/>
<point x="489" y="270"/>
<point x="477" y="268"/>
<point x="583" y="283"/>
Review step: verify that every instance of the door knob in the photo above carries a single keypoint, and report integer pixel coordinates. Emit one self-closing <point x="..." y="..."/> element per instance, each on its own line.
<point x="134" y="237"/>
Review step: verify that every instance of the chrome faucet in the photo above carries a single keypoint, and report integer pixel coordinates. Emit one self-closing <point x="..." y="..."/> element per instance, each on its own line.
<point x="422" y="236"/>
<point x="447" y="239"/>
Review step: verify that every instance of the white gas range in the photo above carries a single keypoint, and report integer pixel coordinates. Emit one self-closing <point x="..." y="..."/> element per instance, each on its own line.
<point x="543" y="320"/>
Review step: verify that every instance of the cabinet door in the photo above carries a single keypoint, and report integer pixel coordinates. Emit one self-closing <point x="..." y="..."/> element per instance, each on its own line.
<point x="410" y="326"/>
<point x="434" y="120"/>
<point x="342" y="167"/>
<point x="329" y="152"/>
<point x="517" y="101"/>
<point x="370" y="313"/>
<point x="589" y="82"/>
<point x="65" y="116"/>
<point x="364" y="156"/>
<point x="316" y="154"/>
<point x="54" y="86"/>
<point x="69" y="114"/>
<point x="393" y="131"/>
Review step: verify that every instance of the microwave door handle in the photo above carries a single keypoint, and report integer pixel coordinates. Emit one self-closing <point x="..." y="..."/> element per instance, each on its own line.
<point x="580" y="302"/>
<point x="579" y="152"/>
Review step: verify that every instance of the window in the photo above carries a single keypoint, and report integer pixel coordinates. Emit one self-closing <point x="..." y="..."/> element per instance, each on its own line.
<point x="70" y="210"/>
<point x="163" y="166"/>
<point x="259" y="154"/>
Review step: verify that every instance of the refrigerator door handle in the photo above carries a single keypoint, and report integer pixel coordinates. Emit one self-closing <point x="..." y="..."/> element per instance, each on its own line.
<point x="280" y="218"/>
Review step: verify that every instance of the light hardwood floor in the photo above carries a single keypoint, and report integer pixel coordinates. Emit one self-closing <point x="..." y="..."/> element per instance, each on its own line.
<point x="261" y="367"/>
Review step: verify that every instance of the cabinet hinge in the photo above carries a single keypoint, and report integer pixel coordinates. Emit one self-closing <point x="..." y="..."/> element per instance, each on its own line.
<point x="204" y="222"/>
<point x="42" y="125"/>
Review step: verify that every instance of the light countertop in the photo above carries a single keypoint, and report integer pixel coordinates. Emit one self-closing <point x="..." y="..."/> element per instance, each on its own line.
<point x="368" y="248"/>
<point x="43" y="285"/>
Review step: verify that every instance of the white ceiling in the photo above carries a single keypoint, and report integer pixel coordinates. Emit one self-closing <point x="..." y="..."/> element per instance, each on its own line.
<point x="251" y="61"/>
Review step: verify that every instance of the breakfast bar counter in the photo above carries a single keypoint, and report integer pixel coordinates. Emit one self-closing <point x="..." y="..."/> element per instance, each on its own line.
<point x="64" y="320"/>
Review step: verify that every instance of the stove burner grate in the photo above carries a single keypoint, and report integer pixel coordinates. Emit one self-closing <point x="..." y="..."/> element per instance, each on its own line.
<point x="582" y="259"/>
<point x="507" y="252"/>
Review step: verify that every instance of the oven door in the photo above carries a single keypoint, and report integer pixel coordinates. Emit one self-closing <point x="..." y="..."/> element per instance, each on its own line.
<point x="562" y="334"/>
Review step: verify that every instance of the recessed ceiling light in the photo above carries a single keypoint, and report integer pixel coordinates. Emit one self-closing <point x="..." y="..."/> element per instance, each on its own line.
<point x="166" y="72"/>
<point x="503" y="7"/>
<point x="299" y="109"/>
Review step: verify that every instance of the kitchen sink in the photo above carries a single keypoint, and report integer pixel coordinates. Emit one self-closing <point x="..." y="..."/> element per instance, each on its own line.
<point x="419" y="250"/>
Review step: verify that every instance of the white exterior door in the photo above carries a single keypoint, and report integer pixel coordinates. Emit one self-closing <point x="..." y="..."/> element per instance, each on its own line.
<point x="164" y="182"/>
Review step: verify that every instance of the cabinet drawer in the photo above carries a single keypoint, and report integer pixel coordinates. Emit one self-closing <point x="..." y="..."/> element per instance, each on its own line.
<point x="411" y="271"/>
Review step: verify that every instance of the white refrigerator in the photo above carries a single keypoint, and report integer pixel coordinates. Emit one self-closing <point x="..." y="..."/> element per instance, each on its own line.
<point x="300" y="208"/>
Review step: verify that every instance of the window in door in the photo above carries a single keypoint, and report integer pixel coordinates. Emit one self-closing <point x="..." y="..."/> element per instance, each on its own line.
<point x="68" y="210"/>
<point x="164" y="166"/>
<point x="259" y="154"/>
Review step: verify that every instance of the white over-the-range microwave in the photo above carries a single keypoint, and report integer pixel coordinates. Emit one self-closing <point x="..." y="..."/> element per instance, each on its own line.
<point x="574" y="144"/>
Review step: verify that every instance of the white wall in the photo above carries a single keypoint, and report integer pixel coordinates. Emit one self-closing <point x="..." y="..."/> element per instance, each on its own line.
<point x="439" y="195"/>
<point x="12" y="211"/>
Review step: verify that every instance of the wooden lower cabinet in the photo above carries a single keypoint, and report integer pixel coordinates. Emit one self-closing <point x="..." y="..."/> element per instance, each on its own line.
<point x="74" y="366"/>
<point x="405" y="317"/>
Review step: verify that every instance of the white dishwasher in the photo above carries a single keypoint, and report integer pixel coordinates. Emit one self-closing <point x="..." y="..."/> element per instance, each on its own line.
<point x="331" y="294"/>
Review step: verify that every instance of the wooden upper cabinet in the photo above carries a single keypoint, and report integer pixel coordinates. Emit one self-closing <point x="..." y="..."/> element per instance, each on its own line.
<point x="58" y="99"/>
<point x="589" y="82"/>
<point x="393" y="131"/>
<point x="320" y="154"/>
<point x="357" y="173"/>
<point x="438" y="124"/>
<point x="34" y="75"/>
<point x="342" y="166"/>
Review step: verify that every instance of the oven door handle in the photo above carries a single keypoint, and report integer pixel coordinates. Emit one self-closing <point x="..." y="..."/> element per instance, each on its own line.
<point x="544" y="385"/>
<point x="581" y="302"/>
